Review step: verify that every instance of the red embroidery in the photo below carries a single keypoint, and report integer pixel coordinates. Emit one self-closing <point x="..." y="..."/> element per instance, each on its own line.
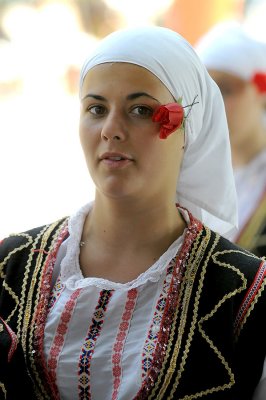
<point x="251" y="294"/>
<point x="59" y="337"/>
<point x="14" y="340"/>
<point x="40" y="251"/>
<point x="120" y="340"/>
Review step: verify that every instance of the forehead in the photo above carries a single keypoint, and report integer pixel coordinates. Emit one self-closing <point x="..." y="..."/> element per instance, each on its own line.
<point x="226" y="80"/>
<point x="124" y="76"/>
<point x="226" y="77"/>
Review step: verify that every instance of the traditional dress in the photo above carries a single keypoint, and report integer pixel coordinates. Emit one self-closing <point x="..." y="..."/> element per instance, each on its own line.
<point x="188" y="327"/>
<point x="251" y="191"/>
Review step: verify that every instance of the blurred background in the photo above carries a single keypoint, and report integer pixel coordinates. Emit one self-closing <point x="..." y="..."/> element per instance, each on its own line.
<point x="43" y="44"/>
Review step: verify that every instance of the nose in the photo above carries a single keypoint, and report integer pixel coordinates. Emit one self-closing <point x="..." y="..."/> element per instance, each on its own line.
<point x="113" y="128"/>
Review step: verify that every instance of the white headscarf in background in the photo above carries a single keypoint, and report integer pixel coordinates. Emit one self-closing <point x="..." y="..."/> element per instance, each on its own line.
<point x="206" y="185"/>
<point x="228" y="47"/>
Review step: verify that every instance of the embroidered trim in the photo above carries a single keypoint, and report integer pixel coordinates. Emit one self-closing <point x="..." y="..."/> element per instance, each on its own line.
<point x="56" y="293"/>
<point x="231" y="378"/>
<point x="250" y="299"/>
<point x="120" y="340"/>
<point x="3" y="389"/>
<point x="171" y="309"/>
<point x="27" y="292"/>
<point x="89" y="345"/>
<point x="18" y="302"/>
<point x="59" y="339"/>
<point x="36" y="335"/>
<point x="195" y="258"/>
<point x="152" y="338"/>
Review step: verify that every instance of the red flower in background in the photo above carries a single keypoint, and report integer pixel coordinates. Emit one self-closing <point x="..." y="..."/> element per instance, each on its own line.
<point x="170" y="116"/>
<point x="259" y="79"/>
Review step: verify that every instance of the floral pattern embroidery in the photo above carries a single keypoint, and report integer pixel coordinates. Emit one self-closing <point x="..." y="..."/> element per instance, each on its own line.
<point x="59" y="338"/>
<point x="150" y="343"/>
<point x="89" y="345"/>
<point x="56" y="292"/>
<point x="120" y="340"/>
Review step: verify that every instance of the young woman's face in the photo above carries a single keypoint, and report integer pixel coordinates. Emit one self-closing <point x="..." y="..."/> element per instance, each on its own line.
<point x="243" y="105"/>
<point x="121" y="143"/>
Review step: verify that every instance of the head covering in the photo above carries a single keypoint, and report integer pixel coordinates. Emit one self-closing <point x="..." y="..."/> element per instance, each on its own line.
<point x="206" y="183"/>
<point x="229" y="48"/>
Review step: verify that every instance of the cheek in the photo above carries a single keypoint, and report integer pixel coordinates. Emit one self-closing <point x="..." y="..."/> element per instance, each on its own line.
<point x="88" y="139"/>
<point x="170" y="152"/>
<point x="235" y="108"/>
<point x="87" y="130"/>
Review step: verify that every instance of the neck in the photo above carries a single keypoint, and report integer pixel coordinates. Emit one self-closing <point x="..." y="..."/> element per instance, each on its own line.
<point x="114" y="222"/>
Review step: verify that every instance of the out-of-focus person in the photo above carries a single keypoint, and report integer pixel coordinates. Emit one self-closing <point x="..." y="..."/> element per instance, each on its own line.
<point x="237" y="63"/>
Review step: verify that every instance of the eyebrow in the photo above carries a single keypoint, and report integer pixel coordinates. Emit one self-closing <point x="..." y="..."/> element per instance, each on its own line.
<point x="134" y="96"/>
<point x="131" y="96"/>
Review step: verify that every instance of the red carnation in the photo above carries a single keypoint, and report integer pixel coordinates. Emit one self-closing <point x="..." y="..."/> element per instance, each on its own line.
<point x="170" y="116"/>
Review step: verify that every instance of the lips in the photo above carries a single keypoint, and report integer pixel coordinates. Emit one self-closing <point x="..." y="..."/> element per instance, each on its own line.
<point x="115" y="157"/>
<point x="115" y="160"/>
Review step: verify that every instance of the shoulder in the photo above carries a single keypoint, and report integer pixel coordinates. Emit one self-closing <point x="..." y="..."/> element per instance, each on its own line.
<point x="228" y="252"/>
<point x="243" y="259"/>
<point x="23" y="241"/>
<point x="227" y="264"/>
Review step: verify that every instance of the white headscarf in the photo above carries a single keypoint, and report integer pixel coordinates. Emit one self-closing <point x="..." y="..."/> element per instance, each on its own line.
<point x="206" y="185"/>
<point x="229" y="48"/>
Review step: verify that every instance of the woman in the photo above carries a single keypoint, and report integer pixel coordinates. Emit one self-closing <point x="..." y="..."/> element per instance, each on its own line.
<point x="134" y="297"/>
<point x="237" y="63"/>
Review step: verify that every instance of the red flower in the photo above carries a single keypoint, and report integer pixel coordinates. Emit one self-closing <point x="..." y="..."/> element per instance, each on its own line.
<point x="259" y="79"/>
<point x="170" y="116"/>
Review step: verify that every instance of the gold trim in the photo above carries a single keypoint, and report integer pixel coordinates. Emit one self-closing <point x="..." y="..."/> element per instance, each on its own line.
<point x="192" y="269"/>
<point x="24" y="313"/>
<point x="39" y="268"/>
<point x="3" y="389"/>
<point x="3" y="276"/>
<point x="204" y="336"/>
<point x="169" y="372"/>
<point x="251" y="306"/>
<point x="165" y="376"/>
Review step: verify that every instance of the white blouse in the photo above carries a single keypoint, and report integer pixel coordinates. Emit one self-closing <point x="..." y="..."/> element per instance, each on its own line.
<point x="105" y="355"/>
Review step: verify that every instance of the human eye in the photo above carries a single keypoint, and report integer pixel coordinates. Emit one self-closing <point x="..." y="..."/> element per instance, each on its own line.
<point x="96" y="110"/>
<point x="142" y="111"/>
<point x="226" y="90"/>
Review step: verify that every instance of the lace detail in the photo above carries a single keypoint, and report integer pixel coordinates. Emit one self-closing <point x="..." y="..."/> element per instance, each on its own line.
<point x="71" y="274"/>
